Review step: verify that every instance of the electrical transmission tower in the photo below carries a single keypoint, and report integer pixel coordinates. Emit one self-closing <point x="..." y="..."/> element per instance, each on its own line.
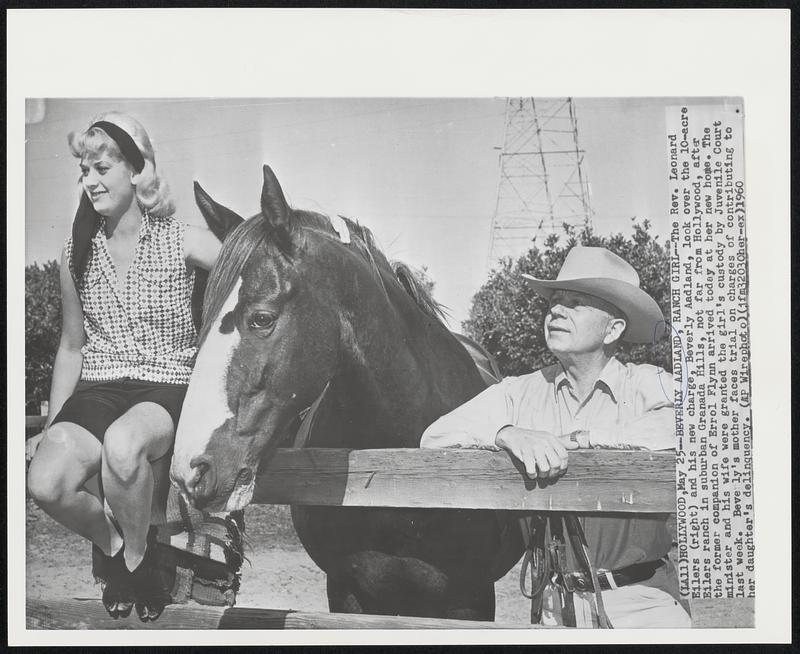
<point x="542" y="184"/>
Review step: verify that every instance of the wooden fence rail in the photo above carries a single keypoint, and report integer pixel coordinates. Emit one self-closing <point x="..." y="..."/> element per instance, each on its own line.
<point x="34" y="424"/>
<point x="90" y="614"/>
<point x="596" y="480"/>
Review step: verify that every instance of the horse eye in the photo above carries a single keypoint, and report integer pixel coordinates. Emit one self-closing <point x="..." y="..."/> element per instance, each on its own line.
<point x="261" y="320"/>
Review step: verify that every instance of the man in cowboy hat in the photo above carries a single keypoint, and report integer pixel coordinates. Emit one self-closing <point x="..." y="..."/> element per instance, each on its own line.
<point x="587" y="399"/>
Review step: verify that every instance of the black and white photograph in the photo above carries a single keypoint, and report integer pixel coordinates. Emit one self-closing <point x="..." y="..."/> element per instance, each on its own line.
<point x="301" y="364"/>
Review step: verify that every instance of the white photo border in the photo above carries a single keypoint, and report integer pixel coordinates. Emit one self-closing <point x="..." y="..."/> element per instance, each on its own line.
<point x="437" y="53"/>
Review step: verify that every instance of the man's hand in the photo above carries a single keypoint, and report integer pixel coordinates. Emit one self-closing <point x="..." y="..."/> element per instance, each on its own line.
<point x="543" y="454"/>
<point x="32" y="444"/>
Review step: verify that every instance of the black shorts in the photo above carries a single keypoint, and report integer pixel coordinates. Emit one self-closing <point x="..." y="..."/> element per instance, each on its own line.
<point x="95" y="405"/>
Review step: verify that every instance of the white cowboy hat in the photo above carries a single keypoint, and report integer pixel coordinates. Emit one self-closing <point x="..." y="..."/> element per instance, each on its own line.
<point x="602" y="273"/>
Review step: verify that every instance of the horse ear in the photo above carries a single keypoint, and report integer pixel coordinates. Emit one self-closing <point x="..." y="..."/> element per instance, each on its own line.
<point x="276" y="211"/>
<point x="220" y="220"/>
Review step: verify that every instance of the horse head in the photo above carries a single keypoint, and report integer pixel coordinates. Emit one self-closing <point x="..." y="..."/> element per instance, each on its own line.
<point x="254" y="369"/>
<point x="297" y="303"/>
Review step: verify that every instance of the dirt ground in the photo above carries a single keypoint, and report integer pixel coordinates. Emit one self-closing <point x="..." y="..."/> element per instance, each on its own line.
<point x="279" y="574"/>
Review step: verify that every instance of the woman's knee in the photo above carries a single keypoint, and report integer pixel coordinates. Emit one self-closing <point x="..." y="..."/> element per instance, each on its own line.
<point x="124" y="451"/>
<point x="45" y="485"/>
<point x="53" y="475"/>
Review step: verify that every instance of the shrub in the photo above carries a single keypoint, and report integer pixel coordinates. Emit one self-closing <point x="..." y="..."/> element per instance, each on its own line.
<point x="42" y="330"/>
<point x="507" y="316"/>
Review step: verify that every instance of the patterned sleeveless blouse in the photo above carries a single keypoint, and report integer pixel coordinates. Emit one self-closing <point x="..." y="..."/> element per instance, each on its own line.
<point x="143" y="329"/>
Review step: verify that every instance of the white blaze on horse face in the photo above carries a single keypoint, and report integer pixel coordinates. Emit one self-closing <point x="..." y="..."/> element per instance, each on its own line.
<point x="205" y="407"/>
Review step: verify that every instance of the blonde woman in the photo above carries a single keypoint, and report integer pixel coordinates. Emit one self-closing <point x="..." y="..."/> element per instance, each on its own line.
<point x="127" y="348"/>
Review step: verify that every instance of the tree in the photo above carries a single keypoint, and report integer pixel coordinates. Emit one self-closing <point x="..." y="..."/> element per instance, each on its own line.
<point x="42" y="330"/>
<point x="507" y="316"/>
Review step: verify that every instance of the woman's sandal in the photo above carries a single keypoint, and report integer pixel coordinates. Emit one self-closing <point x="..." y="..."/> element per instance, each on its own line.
<point x="118" y="590"/>
<point x="151" y="596"/>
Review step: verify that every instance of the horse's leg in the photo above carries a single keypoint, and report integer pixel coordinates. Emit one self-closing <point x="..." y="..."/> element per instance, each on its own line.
<point x="470" y="599"/>
<point x="377" y="583"/>
<point x="381" y="584"/>
<point x="342" y="597"/>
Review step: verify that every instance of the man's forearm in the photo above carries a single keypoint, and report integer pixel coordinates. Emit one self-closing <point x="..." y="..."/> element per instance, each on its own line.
<point x="473" y="424"/>
<point x="654" y="430"/>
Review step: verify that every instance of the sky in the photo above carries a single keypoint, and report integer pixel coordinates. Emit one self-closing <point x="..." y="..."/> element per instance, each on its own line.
<point x="421" y="173"/>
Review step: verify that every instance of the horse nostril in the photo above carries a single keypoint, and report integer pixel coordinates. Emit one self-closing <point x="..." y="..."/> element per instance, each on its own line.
<point x="200" y="461"/>
<point x="202" y="466"/>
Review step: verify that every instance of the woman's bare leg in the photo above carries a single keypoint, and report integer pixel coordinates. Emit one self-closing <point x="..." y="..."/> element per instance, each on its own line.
<point x="161" y="488"/>
<point x="141" y="435"/>
<point x="66" y="459"/>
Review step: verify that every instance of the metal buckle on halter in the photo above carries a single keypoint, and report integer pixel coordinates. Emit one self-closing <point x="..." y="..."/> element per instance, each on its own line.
<point x="577" y="582"/>
<point x="557" y="550"/>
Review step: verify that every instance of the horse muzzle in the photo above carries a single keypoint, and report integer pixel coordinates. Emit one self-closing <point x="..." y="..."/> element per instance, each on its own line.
<point x="202" y="490"/>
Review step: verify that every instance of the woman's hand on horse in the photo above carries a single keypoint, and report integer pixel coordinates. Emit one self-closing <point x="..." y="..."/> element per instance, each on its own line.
<point x="543" y="454"/>
<point x="32" y="444"/>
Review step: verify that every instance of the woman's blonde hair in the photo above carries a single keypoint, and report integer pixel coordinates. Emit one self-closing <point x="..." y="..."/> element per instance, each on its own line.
<point x="152" y="190"/>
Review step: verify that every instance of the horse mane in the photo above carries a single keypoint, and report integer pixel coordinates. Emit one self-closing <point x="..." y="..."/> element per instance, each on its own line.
<point x="251" y="233"/>
<point x="365" y="240"/>
<point x="412" y="285"/>
<point x="235" y="251"/>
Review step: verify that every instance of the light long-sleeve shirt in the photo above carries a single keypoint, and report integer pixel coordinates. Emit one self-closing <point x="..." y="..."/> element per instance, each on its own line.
<point x="629" y="406"/>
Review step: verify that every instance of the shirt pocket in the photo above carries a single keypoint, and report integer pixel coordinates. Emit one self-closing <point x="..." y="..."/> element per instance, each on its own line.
<point x="159" y="297"/>
<point x="159" y="276"/>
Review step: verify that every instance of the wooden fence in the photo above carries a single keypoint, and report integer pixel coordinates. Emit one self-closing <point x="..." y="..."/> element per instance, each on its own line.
<point x="596" y="481"/>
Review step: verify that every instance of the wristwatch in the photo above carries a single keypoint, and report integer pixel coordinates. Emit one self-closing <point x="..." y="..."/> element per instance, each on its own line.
<point x="580" y="436"/>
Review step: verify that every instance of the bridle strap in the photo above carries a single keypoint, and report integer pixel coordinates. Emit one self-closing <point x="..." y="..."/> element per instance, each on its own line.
<point x="575" y="530"/>
<point x="533" y="529"/>
<point x="307" y="419"/>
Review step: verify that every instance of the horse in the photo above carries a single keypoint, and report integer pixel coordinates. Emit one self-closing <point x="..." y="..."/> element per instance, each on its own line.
<point x="302" y="309"/>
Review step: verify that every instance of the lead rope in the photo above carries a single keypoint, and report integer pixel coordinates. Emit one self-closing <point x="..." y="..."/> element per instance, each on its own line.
<point x="574" y="526"/>
<point x="533" y="536"/>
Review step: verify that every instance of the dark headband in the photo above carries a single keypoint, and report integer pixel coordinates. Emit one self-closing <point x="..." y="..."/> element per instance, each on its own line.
<point x="87" y="220"/>
<point x="127" y="147"/>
